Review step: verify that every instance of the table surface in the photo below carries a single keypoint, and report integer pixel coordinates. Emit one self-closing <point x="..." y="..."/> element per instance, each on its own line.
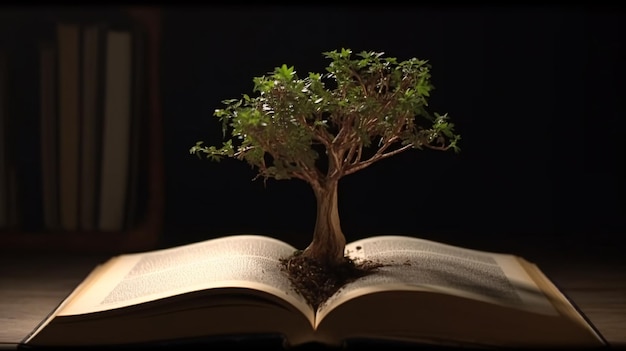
<point x="594" y="277"/>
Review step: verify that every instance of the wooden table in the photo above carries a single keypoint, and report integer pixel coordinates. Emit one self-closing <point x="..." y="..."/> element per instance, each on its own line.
<point x="593" y="276"/>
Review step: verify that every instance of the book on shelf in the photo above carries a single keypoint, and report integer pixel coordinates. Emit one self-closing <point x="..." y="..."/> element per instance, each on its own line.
<point x="117" y="123"/>
<point x="137" y="160"/>
<point x="9" y="217"/>
<point x="423" y="293"/>
<point x="24" y="132"/>
<point x="48" y="131"/>
<point x="92" y="82"/>
<point x="4" y="162"/>
<point x="68" y="41"/>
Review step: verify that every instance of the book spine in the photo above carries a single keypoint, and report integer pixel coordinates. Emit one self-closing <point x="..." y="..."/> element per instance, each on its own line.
<point x="69" y="123"/>
<point x="25" y="132"/>
<point x="137" y="163"/>
<point x="4" y="163"/>
<point x="48" y="129"/>
<point x="93" y="49"/>
<point x="116" y="130"/>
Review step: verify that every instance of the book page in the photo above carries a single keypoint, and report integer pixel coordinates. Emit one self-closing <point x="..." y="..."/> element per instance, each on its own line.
<point x="416" y="264"/>
<point x="242" y="261"/>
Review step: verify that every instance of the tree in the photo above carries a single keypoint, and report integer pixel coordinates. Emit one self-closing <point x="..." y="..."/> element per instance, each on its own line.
<point x="326" y="126"/>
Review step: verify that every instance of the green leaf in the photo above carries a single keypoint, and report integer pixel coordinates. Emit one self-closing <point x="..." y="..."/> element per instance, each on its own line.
<point x="286" y="123"/>
<point x="345" y="53"/>
<point x="423" y="90"/>
<point x="284" y="73"/>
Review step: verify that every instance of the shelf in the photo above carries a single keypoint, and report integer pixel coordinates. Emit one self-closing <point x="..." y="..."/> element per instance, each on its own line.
<point x="145" y="234"/>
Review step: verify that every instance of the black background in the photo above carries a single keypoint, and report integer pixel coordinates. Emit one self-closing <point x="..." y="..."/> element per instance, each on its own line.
<point x="535" y="92"/>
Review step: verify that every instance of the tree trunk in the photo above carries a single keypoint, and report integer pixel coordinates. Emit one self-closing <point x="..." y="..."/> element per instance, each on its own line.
<point x="328" y="242"/>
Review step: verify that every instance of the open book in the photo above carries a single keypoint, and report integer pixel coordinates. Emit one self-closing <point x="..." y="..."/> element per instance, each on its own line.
<point x="424" y="292"/>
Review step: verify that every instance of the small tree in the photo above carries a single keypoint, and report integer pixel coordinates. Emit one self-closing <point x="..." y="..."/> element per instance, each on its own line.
<point x="323" y="127"/>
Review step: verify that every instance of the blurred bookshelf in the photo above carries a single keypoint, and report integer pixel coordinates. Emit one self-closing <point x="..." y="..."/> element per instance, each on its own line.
<point x="81" y="129"/>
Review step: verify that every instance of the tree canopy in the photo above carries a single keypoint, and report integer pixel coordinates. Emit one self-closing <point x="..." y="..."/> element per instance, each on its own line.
<point x="323" y="126"/>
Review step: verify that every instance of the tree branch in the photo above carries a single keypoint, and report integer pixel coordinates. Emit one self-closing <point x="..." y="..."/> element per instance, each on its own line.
<point x="319" y="132"/>
<point x="379" y="155"/>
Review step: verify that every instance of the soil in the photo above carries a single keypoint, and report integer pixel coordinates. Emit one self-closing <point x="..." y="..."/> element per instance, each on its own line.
<point x="317" y="281"/>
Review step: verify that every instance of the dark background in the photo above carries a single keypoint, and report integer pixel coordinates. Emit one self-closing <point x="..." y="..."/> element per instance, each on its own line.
<point x="536" y="94"/>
